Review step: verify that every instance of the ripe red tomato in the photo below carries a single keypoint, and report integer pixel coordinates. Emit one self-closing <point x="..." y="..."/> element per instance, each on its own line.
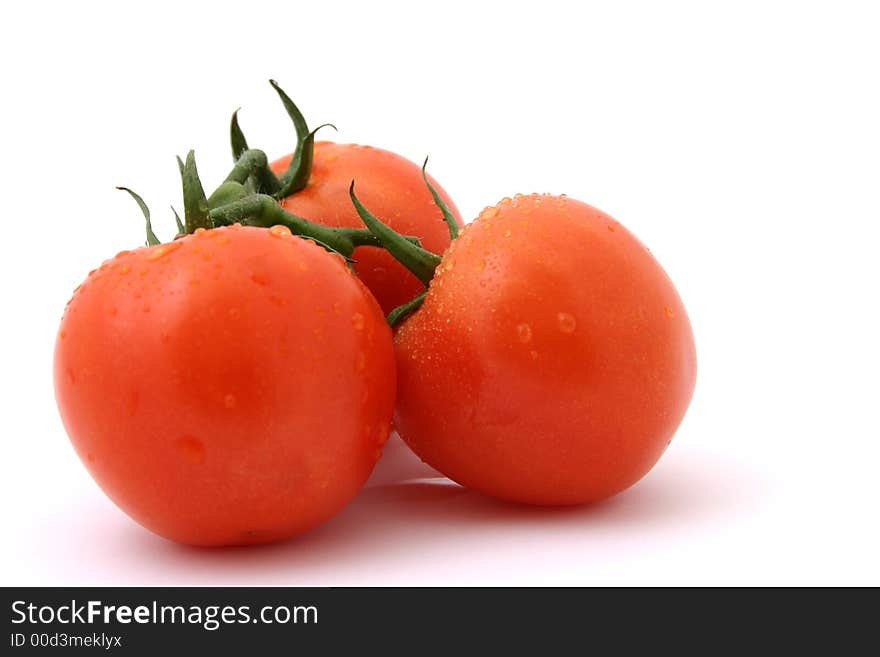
<point x="552" y="359"/>
<point x="234" y="386"/>
<point x="393" y="188"/>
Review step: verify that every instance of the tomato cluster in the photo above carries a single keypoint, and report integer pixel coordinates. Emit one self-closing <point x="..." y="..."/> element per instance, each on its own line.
<point x="236" y="385"/>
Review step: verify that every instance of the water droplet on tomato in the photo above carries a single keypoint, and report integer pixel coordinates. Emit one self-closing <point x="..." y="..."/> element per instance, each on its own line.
<point x="112" y="311"/>
<point x="566" y="323"/>
<point x="234" y="313"/>
<point x="507" y="233"/>
<point x="360" y="362"/>
<point x="162" y="250"/>
<point x="124" y="269"/>
<point x="533" y="354"/>
<point x="229" y="400"/>
<point x="489" y="213"/>
<point x="279" y="230"/>
<point x="357" y="321"/>
<point x="199" y="231"/>
<point x="523" y="333"/>
<point x="668" y="312"/>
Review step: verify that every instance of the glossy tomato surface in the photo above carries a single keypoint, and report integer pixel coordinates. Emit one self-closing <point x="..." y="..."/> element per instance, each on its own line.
<point x="231" y="387"/>
<point x="393" y="188"/>
<point x="552" y="360"/>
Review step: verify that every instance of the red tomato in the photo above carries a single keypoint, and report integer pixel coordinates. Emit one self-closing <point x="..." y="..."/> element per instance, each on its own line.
<point x="234" y="386"/>
<point x="552" y="360"/>
<point x="393" y="188"/>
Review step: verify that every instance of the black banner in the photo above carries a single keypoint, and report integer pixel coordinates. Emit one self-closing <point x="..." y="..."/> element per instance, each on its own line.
<point x="392" y="621"/>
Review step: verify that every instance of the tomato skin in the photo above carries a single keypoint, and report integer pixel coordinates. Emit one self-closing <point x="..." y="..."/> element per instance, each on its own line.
<point x="231" y="387"/>
<point x="552" y="360"/>
<point x="393" y="188"/>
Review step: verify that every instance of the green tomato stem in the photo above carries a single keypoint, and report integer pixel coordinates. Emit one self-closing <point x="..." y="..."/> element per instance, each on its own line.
<point x="260" y="177"/>
<point x="227" y="193"/>
<point x="263" y="210"/>
<point x="402" y="311"/>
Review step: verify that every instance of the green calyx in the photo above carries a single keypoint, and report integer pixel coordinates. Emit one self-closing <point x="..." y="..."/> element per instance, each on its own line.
<point x="250" y="194"/>
<point x="152" y="240"/>
<point x="195" y="203"/>
<point x="252" y="178"/>
<point x="421" y="262"/>
<point x="300" y="169"/>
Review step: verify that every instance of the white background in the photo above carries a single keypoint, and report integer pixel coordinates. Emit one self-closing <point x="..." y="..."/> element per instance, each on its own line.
<point x="740" y="141"/>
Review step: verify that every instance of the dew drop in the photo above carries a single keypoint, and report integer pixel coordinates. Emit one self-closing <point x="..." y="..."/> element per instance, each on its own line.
<point x="489" y="213"/>
<point x="668" y="312"/>
<point x="524" y="333"/>
<point x="279" y="230"/>
<point x="112" y="311"/>
<point x="533" y="354"/>
<point x="507" y="233"/>
<point x="360" y="362"/>
<point x="357" y="321"/>
<point x="163" y="250"/>
<point x="199" y="231"/>
<point x="229" y="400"/>
<point x="124" y="269"/>
<point x="234" y="313"/>
<point x="566" y="323"/>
